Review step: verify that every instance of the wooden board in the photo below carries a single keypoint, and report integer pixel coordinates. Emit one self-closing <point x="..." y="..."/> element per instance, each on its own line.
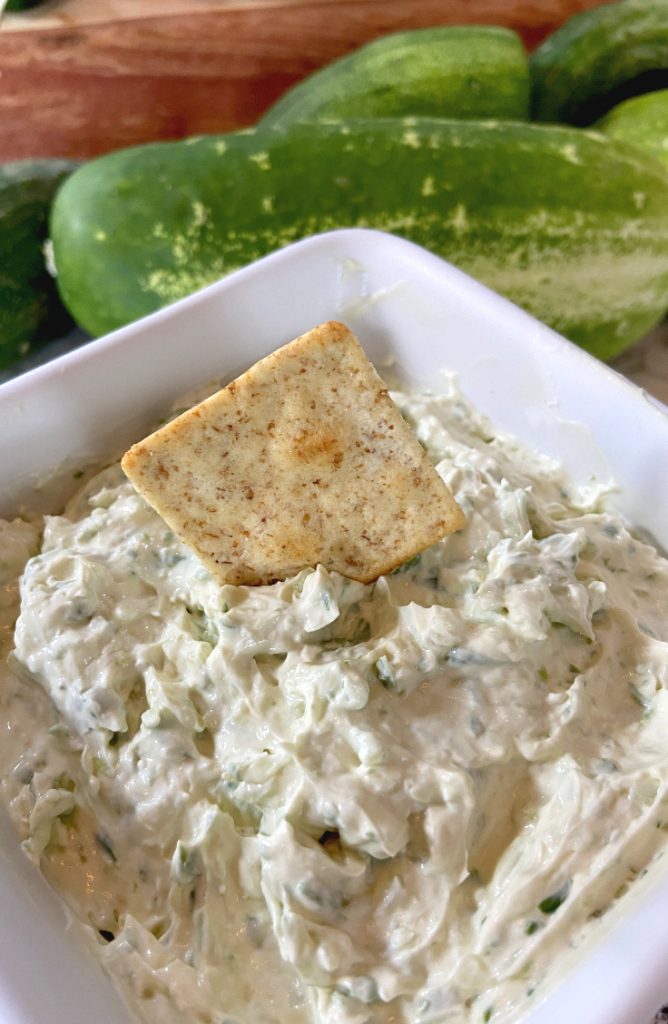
<point x="81" y="77"/>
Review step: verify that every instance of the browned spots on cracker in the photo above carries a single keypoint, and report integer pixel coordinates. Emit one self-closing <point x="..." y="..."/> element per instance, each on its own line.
<point x="312" y="446"/>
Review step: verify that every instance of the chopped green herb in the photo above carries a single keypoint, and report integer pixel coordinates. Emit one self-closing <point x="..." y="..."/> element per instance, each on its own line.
<point x="385" y="674"/>
<point x="606" y="766"/>
<point x="188" y="866"/>
<point x="78" y="611"/>
<point x="466" y="656"/>
<point x="531" y="927"/>
<point x="639" y="697"/>
<point x="554" y="901"/>
<point x="476" y="725"/>
<point x="105" y="845"/>
<point x="407" y="566"/>
<point x="167" y="559"/>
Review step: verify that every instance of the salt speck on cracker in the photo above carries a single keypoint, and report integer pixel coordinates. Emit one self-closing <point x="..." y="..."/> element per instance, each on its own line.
<point x="304" y="460"/>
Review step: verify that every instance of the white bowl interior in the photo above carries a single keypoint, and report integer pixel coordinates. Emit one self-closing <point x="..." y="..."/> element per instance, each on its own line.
<point x="415" y="315"/>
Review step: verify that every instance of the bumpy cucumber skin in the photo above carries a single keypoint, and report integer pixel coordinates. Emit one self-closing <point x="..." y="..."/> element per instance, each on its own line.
<point x="598" y="59"/>
<point x="30" y="310"/>
<point x="466" y="71"/>
<point x="569" y="224"/>
<point x="642" y="122"/>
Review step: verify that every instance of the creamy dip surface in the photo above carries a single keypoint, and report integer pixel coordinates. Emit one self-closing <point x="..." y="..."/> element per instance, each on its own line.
<point x="408" y="802"/>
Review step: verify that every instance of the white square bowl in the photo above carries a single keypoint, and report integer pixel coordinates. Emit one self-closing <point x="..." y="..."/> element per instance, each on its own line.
<point x="408" y="308"/>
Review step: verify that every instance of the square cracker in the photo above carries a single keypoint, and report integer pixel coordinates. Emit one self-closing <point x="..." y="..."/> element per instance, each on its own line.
<point x="303" y="460"/>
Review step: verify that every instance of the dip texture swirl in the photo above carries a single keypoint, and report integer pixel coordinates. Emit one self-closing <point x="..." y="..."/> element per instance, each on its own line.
<point x="407" y="802"/>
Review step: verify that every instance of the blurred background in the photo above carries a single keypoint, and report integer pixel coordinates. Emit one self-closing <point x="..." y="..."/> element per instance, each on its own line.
<point x="82" y="77"/>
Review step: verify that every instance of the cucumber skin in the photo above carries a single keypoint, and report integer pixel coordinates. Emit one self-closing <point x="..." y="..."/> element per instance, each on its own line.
<point x="570" y="225"/>
<point x="642" y="122"/>
<point x="598" y="54"/>
<point x="30" y="310"/>
<point x="21" y="5"/>
<point x="456" y="71"/>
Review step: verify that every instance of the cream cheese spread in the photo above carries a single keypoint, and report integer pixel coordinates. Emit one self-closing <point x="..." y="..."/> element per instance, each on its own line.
<point x="409" y="802"/>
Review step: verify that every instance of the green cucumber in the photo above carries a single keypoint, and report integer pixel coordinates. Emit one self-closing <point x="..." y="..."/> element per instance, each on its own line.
<point x="643" y="122"/>
<point x="19" y="5"/>
<point x="600" y="58"/>
<point x="468" y="71"/>
<point x="30" y="310"/>
<point x="569" y="224"/>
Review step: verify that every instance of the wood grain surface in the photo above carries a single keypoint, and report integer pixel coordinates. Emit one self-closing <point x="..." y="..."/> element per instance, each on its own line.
<point x="81" y="77"/>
